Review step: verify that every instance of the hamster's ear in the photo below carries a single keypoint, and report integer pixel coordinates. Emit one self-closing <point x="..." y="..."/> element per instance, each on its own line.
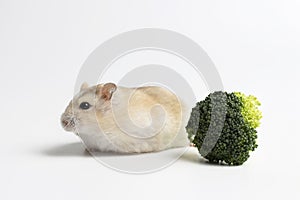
<point x="84" y="86"/>
<point x="106" y="90"/>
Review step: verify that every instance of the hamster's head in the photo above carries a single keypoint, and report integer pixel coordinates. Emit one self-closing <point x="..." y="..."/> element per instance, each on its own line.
<point x="81" y="112"/>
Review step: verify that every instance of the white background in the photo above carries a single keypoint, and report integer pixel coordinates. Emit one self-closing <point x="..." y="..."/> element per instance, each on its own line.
<point x="254" y="44"/>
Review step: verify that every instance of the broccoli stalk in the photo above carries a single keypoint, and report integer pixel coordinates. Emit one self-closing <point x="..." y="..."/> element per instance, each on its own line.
<point x="229" y="140"/>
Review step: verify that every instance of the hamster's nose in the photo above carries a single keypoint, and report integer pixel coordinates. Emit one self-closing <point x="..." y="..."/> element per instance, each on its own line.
<point x="67" y="122"/>
<point x="64" y="122"/>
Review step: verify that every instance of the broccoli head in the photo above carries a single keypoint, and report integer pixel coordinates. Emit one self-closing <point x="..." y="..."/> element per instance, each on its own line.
<point x="223" y="127"/>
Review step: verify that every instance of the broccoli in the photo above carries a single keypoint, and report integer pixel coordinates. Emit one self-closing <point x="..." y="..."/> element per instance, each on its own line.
<point x="223" y="127"/>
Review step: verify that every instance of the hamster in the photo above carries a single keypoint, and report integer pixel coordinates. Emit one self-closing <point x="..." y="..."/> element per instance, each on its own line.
<point x="112" y="118"/>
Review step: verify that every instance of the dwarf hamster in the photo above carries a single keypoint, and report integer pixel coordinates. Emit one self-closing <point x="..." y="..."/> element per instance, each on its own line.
<point x="127" y="120"/>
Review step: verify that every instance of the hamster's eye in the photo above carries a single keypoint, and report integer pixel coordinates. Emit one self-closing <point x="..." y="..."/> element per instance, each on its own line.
<point x="85" y="105"/>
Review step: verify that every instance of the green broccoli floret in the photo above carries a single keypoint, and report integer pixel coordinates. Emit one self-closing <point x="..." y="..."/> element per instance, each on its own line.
<point x="223" y="125"/>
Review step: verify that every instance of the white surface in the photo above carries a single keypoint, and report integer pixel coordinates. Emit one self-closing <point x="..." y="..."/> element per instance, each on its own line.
<point x="254" y="44"/>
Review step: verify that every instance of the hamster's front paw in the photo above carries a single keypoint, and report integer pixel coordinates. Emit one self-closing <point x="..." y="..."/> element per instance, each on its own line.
<point x="89" y="151"/>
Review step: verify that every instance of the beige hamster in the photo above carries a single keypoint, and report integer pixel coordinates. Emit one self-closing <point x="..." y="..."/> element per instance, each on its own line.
<point x="127" y="120"/>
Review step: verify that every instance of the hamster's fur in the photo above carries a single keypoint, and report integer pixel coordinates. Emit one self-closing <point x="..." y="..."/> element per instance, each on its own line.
<point x="127" y="120"/>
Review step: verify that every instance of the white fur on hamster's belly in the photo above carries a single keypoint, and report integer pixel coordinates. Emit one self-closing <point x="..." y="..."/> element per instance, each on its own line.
<point x="95" y="140"/>
<point x="118" y="141"/>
